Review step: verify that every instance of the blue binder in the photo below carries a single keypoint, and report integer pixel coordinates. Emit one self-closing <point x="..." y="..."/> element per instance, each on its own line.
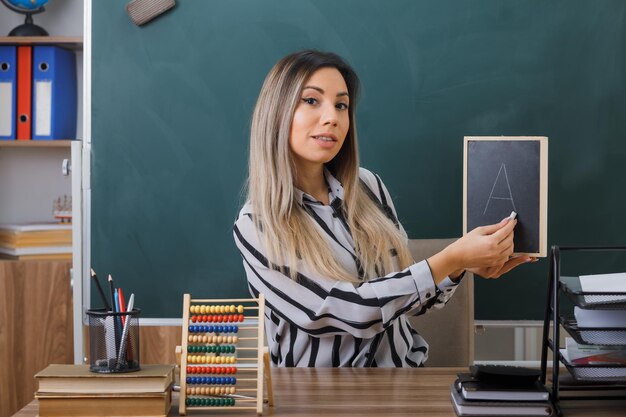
<point x="8" y="91"/>
<point x="54" y="93"/>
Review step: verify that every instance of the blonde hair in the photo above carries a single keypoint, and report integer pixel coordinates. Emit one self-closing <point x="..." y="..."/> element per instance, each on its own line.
<point x="288" y="232"/>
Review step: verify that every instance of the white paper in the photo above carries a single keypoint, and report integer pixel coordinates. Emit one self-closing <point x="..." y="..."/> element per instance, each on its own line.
<point x="6" y="108"/>
<point x="43" y="108"/>
<point x="600" y="318"/>
<point x="604" y="283"/>
<point x="610" y="283"/>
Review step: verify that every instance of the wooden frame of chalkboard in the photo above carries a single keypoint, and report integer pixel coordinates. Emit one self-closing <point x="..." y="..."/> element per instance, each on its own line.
<point x="502" y="174"/>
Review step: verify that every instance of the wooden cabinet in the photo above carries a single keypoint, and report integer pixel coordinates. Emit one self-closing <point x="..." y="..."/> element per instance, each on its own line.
<point x="36" y="310"/>
<point x="35" y="326"/>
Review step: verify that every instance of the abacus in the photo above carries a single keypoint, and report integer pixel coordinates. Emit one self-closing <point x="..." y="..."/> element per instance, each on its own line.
<point x="213" y="376"/>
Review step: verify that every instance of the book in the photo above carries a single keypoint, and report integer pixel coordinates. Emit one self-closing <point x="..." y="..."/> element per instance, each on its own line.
<point x="615" y="373"/>
<point x="473" y="389"/>
<point x="505" y="374"/>
<point x="40" y="257"/>
<point x="48" y="238"/>
<point x="36" y="241"/>
<point x="594" y="354"/>
<point x="35" y="234"/>
<point x="37" y="250"/>
<point x="34" y="227"/>
<point x="464" y="407"/>
<point x="144" y="404"/>
<point x="77" y="379"/>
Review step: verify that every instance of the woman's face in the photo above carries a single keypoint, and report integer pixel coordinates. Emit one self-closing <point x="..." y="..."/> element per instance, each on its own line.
<point x="321" y="120"/>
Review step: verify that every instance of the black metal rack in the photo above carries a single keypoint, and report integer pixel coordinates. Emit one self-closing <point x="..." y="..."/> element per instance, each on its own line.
<point x="602" y="374"/>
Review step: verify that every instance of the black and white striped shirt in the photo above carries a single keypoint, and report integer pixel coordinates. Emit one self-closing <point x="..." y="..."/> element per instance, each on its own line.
<point x="319" y="321"/>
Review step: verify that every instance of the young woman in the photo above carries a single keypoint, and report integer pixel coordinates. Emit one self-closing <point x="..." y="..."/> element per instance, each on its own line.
<point x="320" y="237"/>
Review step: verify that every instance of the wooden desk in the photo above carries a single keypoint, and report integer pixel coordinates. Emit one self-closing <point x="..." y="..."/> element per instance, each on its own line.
<point x="329" y="392"/>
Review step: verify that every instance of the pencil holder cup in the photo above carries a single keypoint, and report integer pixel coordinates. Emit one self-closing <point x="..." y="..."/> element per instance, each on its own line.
<point x="113" y="341"/>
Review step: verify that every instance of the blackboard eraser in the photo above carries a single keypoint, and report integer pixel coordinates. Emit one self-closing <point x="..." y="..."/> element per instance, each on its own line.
<point x="143" y="11"/>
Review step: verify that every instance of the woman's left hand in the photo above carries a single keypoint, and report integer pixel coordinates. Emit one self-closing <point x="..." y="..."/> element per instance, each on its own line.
<point x="498" y="270"/>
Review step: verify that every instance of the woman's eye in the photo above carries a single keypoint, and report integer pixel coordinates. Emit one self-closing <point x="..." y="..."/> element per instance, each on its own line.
<point x="342" y="106"/>
<point x="309" y="100"/>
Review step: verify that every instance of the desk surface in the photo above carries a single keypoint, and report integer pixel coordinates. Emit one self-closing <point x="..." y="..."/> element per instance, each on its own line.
<point x="332" y="392"/>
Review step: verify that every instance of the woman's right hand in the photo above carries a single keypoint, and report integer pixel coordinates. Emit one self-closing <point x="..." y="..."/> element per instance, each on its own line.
<point x="485" y="251"/>
<point x="485" y="246"/>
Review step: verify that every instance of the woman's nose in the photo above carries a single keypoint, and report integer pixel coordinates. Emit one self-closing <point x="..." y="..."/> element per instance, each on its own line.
<point x="330" y="116"/>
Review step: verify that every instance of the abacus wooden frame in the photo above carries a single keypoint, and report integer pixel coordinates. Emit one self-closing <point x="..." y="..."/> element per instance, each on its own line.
<point x="262" y="359"/>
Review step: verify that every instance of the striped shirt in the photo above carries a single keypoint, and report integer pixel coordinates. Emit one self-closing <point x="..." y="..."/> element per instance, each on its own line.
<point x="319" y="321"/>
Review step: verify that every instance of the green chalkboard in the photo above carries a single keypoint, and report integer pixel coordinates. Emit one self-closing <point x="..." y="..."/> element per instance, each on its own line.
<point x="171" y="106"/>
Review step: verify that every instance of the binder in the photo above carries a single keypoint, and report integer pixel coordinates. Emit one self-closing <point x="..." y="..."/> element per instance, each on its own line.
<point x="8" y="86"/>
<point x="24" y="90"/>
<point x="54" y="93"/>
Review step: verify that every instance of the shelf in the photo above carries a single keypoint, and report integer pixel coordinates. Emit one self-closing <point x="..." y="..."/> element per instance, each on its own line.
<point x="604" y="372"/>
<point x="592" y="300"/>
<point x="60" y="143"/>
<point x="606" y="336"/>
<point x="71" y="42"/>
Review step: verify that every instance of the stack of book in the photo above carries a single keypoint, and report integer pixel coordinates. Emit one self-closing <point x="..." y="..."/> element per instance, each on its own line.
<point x="49" y="241"/>
<point x="500" y="391"/>
<point x="72" y="390"/>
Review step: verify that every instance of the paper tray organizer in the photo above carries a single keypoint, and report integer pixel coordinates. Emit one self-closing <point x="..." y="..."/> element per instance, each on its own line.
<point x="591" y="300"/>
<point x="591" y="335"/>
<point x="570" y="286"/>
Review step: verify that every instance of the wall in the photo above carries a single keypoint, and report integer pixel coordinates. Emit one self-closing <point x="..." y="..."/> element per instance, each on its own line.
<point x="172" y="103"/>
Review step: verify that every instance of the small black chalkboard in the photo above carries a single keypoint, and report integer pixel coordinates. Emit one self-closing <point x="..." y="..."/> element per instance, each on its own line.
<point x="505" y="174"/>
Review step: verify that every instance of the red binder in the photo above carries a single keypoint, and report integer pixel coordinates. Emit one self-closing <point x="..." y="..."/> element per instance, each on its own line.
<point x="24" y="91"/>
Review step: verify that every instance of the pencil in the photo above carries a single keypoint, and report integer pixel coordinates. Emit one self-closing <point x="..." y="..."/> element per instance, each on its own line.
<point x="112" y="289"/>
<point x="123" y="344"/>
<point x="99" y="287"/>
<point x="120" y="296"/>
<point x="115" y="325"/>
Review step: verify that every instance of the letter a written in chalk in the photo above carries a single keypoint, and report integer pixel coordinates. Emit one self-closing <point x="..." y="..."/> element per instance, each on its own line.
<point x="501" y="189"/>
